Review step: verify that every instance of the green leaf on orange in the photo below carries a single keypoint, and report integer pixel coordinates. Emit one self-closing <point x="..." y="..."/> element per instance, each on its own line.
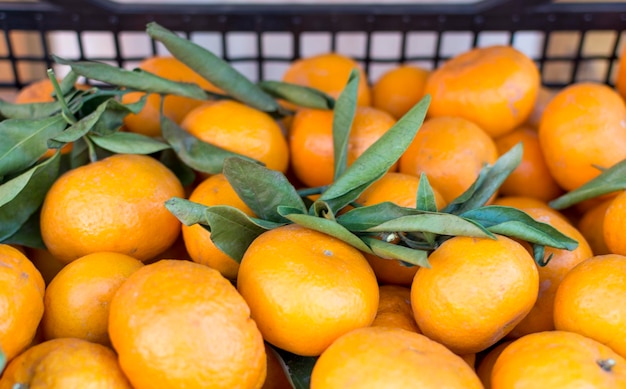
<point x="302" y="96"/>
<point x="262" y="189"/>
<point x="329" y="227"/>
<point x="610" y="180"/>
<point x="387" y="250"/>
<point x="129" y="143"/>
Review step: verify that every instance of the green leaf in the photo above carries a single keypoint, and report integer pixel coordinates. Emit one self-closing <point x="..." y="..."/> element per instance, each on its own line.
<point x="436" y="223"/>
<point x="425" y="195"/>
<point x="488" y="182"/>
<point x="68" y="82"/>
<point x="134" y="79"/>
<point x="211" y="67"/>
<point x="18" y="209"/>
<point x="297" y="368"/>
<point x="377" y="159"/>
<point x="539" y="255"/>
<point x="343" y="116"/>
<point x="515" y="223"/>
<point x="29" y="234"/>
<point x="262" y="189"/>
<point x="364" y="218"/>
<point x="610" y="180"/>
<point x="329" y="227"/>
<point x="129" y="143"/>
<point x="393" y="251"/>
<point x="24" y="141"/>
<point x="232" y="231"/>
<point x="29" y="110"/>
<point x="299" y="95"/>
<point x="186" y="175"/>
<point x="199" y="155"/>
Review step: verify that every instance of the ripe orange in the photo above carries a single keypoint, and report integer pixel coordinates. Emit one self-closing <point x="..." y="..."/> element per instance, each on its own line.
<point x="311" y="141"/>
<point x="65" y="363"/>
<point x="581" y="131"/>
<point x="306" y="288"/>
<point x="451" y="151"/>
<point x="613" y="225"/>
<point x="531" y="178"/>
<point x="540" y="317"/>
<point x="558" y="359"/>
<point x="400" y="189"/>
<point x="590" y="301"/>
<point x="476" y="292"/>
<point x="543" y="98"/>
<point x="115" y="204"/>
<point x="387" y="357"/>
<point x="399" y="89"/>
<point x="21" y="300"/>
<point x="215" y="190"/>
<point x="485" y="366"/>
<point x="77" y="300"/>
<point x="241" y="129"/>
<point x="329" y="73"/>
<point x="394" y="308"/>
<point x="591" y="225"/>
<point x="620" y="78"/>
<point x="39" y="92"/>
<point x="180" y="324"/>
<point x="147" y="121"/>
<point x="495" y="87"/>
<point x="521" y="202"/>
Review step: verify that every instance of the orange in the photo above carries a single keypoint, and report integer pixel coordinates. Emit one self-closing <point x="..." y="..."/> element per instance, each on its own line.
<point x="45" y="262"/>
<point x="540" y="318"/>
<point x="241" y="129"/>
<point x="180" y="324"/>
<point x="558" y="359"/>
<point x="495" y="87"/>
<point x="521" y="202"/>
<point x="329" y="73"/>
<point x="475" y="292"/>
<point x="215" y="190"/>
<point x="591" y="225"/>
<point x="531" y="178"/>
<point x="582" y="131"/>
<point x="147" y="121"/>
<point x="399" y="89"/>
<point x="400" y="189"/>
<point x="394" y="308"/>
<point x="613" y="225"/>
<point x="590" y="301"/>
<point x="306" y="288"/>
<point x="387" y="357"/>
<point x="115" y="204"/>
<point x="65" y="363"/>
<point x="485" y="366"/>
<point x="451" y="151"/>
<point x="311" y="141"/>
<point x="78" y="298"/>
<point x="21" y="300"/>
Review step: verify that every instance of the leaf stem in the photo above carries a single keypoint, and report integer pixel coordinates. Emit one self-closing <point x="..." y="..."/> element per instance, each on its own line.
<point x="93" y="156"/>
<point x="65" y="111"/>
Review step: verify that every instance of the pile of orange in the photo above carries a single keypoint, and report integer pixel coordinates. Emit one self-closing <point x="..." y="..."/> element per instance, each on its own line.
<point x="125" y="295"/>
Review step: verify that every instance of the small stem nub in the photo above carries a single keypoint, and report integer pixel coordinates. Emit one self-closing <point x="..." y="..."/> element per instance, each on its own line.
<point x="606" y="364"/>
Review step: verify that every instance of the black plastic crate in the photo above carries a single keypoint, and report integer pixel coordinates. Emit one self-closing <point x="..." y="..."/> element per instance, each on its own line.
<point x="418" y="32"/>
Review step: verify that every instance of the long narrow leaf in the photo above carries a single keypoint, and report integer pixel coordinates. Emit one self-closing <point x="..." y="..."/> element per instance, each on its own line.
<point x="393" y="251"/>
<point x="331" y="228"/>
<point x="610" y="180"/>
<point x="299" y="95"/>
<point x="129" y="143"/>
<point x="213" y="68"/>
<point x="377" y="159"/>
<point x="343" y="116"/>
<point x="437" y="223"/>
<point x="137" y="79"/>
<point x="25" y="141"/>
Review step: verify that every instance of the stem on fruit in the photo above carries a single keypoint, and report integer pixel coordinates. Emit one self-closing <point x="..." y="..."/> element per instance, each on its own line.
<point x="606" y="364"/>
